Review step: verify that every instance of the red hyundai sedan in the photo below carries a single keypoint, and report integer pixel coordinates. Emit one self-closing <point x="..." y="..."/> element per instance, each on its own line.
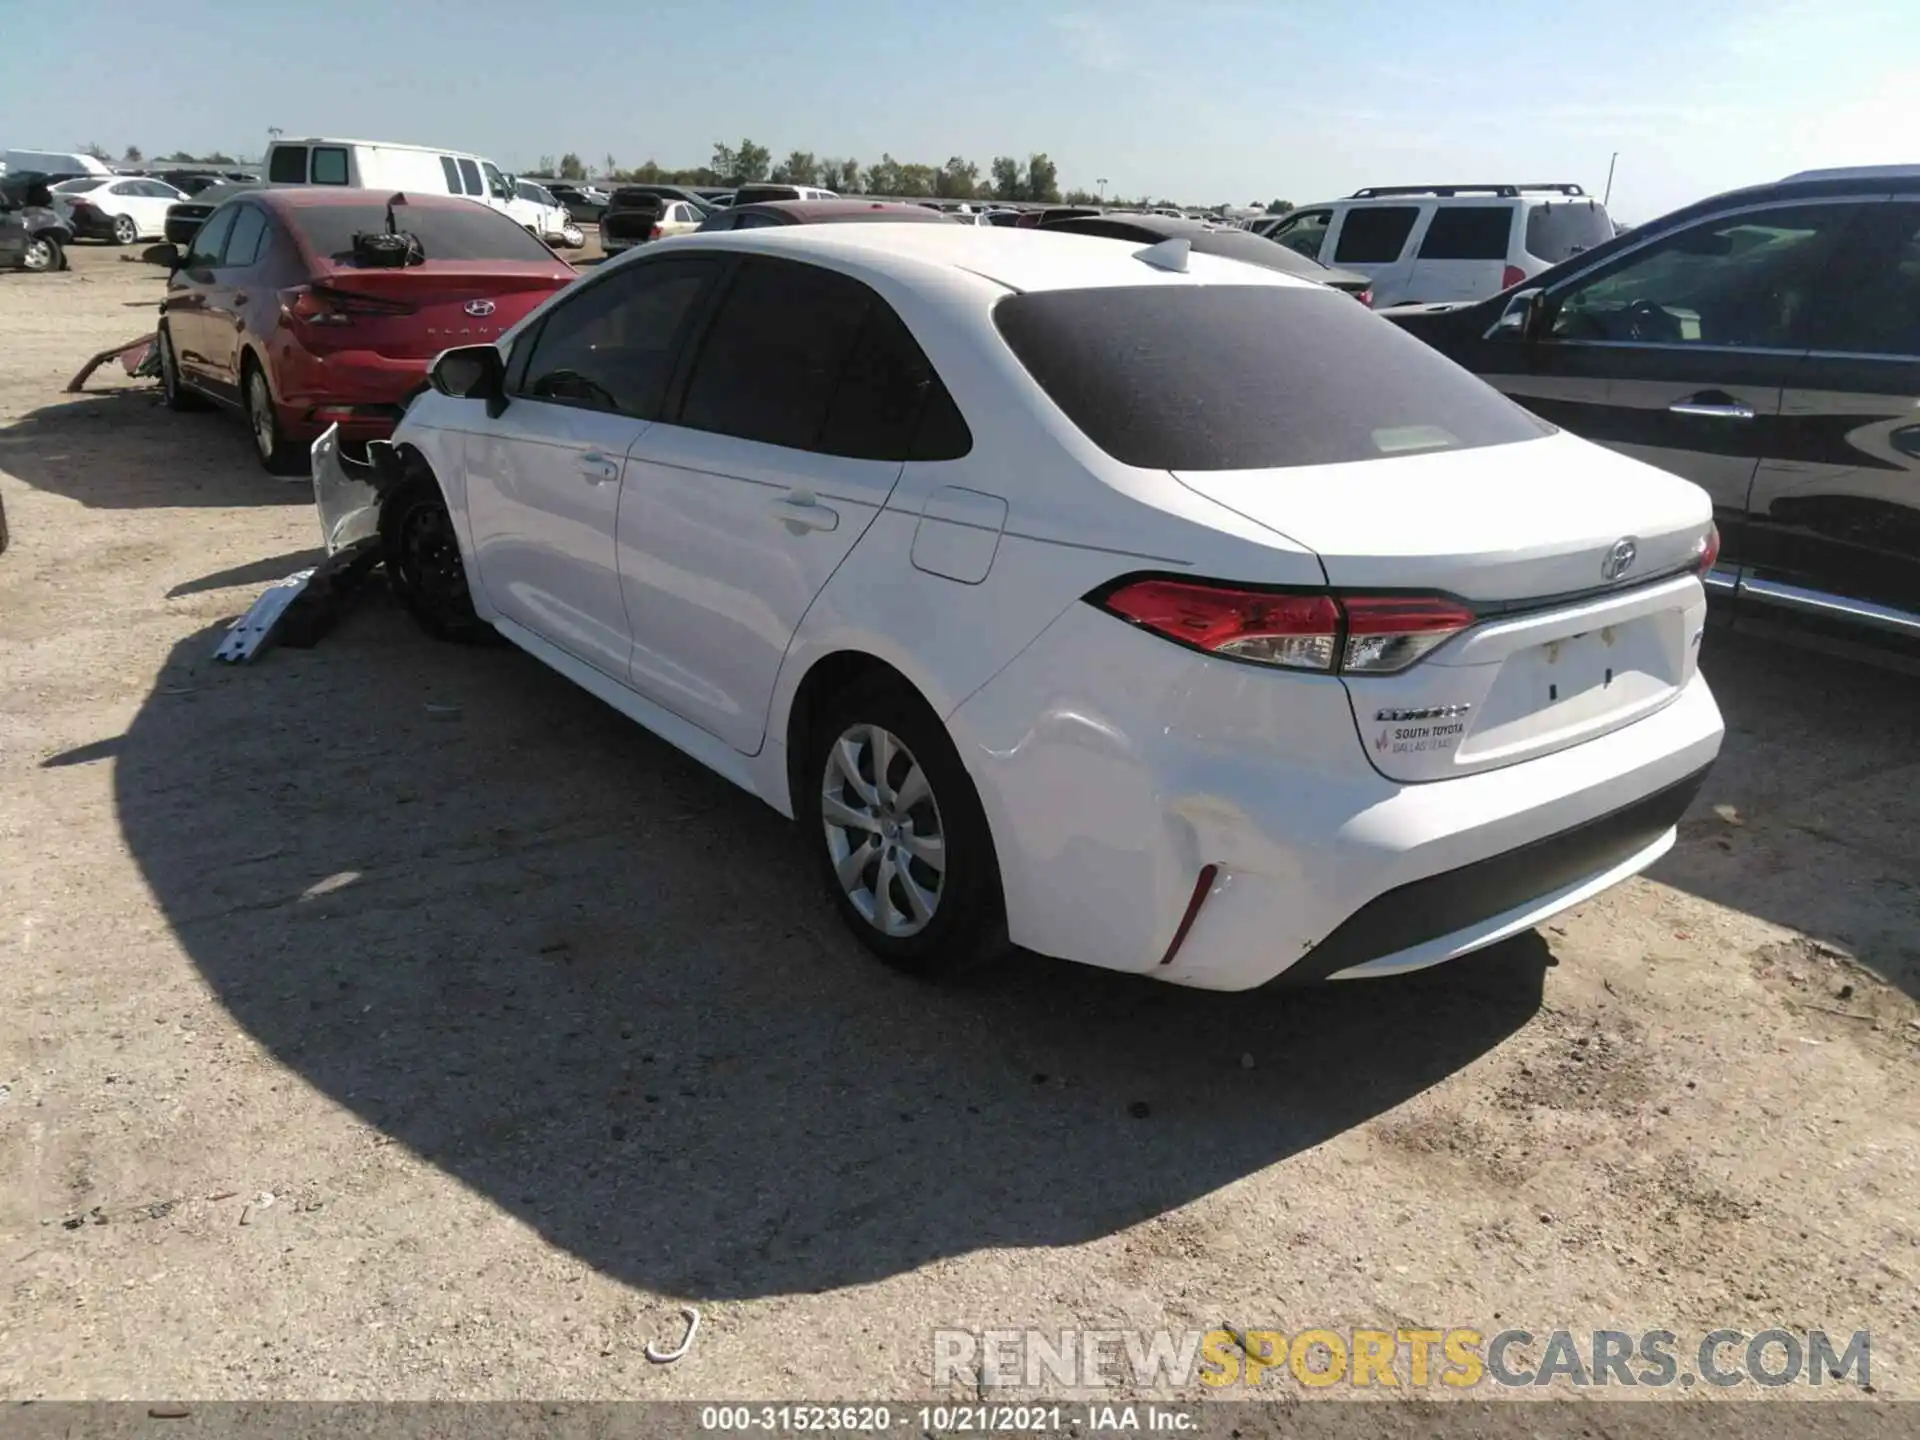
<point x="292" y="307"/>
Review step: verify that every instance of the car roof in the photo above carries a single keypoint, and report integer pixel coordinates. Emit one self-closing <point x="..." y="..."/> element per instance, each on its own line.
<point x="815" y="210"/>
<point x="1019" y="260"/>
<point x="1210" y="238"/>
<point x="300" y="197"/>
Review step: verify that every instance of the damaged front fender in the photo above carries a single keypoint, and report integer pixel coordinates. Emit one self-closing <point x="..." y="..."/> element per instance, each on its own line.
<point x="347" y="492"/>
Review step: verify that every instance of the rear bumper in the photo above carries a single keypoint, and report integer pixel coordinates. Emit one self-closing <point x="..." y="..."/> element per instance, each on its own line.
<point x="364" y="392"/>
<point x="1113" y="767"/>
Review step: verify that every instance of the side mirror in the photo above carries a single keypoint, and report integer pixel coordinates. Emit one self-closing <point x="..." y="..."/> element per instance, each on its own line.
<point x="167" y="254"/>
<point x="472" y="372"/>
<point x="1525" y="317"/>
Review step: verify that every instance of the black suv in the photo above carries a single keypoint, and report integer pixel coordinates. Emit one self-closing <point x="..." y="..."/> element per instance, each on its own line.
<point x="1764" y="344"/>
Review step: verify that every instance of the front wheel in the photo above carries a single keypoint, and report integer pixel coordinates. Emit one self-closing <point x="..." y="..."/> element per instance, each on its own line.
<point x="175" y="395"/>
<point x="899" y="834"/>
<point x="125" y="231"/>
<point x="43" y="254"/>
<point x="424" y="569"/>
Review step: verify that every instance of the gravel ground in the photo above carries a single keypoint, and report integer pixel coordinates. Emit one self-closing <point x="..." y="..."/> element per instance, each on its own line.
<point x="391" y="1020"/>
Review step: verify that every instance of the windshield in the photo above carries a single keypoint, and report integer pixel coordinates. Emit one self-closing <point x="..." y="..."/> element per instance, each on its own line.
<point x="446" y="232"/>
<point x="1248" y="377"/>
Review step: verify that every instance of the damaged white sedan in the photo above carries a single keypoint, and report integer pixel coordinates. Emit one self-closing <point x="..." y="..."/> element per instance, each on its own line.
<point x="1132" y="606"/>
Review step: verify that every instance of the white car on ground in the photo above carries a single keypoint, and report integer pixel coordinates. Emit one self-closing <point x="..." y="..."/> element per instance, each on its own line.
<point x="124" y="209"/>
<point x="1141" y="607"/>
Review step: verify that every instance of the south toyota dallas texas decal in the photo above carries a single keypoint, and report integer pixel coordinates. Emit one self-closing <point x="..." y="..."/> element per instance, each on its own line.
<point x="1427" y="727"/>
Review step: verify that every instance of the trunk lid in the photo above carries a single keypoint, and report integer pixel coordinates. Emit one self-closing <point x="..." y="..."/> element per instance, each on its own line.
<point x="1564" y="650"/>
<point x="417" y="311"/>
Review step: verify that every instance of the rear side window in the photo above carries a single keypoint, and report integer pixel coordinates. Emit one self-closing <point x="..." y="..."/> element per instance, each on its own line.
<point x="329" y="165"/>
<point x="288" y="165"/>
<point x="1247" y="377"/>
<point x="452" y="172"/>
<point x="446" y="232"/>
<point x="248" y="239"/>
<point x="773" y="357"/>
<point x="1375" y="234"/>
<point x="1468" y="232"/>
<point x="470" y="177"/>
<point x="612" y="346"/>
<point x="1560" y="232"/>
<point x="886" y="388"/>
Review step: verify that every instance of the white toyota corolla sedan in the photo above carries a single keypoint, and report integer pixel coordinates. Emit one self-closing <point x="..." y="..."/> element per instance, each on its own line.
<point x="1134" y="606"/>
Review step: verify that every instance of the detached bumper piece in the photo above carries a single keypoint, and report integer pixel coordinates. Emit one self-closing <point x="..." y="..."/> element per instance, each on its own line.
<point x="1453" y="900"/>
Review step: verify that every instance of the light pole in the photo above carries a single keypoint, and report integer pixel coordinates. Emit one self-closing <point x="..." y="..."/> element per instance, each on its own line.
<point x="1102" y="184"/>
<point x="1610" y="164"/>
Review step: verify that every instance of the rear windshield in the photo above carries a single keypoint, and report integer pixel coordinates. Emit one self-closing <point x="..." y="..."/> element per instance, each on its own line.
<point x="78" y="187"/>
<point x="1248" y="377"/>
<point x="1559" y="232"/>
<point x="447" y="232"/>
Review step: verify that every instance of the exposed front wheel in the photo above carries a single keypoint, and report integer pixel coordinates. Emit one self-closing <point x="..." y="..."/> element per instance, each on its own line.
<point x="125" y="232"/>
<point x="424" y="569"/>
<point x="900" y="837"/>
<point x="43" y="254"/>
<point x="176" y="395"/>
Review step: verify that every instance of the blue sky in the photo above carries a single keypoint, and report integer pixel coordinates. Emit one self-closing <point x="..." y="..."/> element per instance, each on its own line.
<point x="1204" y="101"/>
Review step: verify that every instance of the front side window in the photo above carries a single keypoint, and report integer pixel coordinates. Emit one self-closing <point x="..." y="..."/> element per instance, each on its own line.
<point x="1304" y="233"/>
<point x="1468" y="232"/>
<point x="288" y="165"/>
<point x="329" y="165"/>
<point x="496" y="182"/>
<point x="204" y="253"/>
<point x="773" y="357"/>
<point x="1375" y="234"/>
<point x="1742" y="280"/>
<point x="612" y="346"/>
<point x="247" y="239"/>
<point x="1248" y="377"/>
<point x="470" y="178"/>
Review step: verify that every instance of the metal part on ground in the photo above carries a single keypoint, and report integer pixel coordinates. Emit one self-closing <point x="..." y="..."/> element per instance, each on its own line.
<point x="135" y="363"/>
<point x="253" y="631"/>
<point x="345" y="492"/>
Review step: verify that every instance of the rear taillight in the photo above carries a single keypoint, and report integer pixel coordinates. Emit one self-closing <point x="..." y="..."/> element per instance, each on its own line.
<point x="1365" y="297"/>
<point x="1707" y="552"/>
<point x="1511" y="276"/>
<point x="1356" y="634"/>
<point x="324" y="306"/>
<point x="654" y="234"/>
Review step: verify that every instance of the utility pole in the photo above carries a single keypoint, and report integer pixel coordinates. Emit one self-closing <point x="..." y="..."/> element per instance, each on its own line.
<point x="1610" y="164"/>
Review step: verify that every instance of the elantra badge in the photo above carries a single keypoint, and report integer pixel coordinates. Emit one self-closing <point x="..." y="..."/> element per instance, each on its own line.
<point x="1619" y="559"/>
<point x="479" y="307"/>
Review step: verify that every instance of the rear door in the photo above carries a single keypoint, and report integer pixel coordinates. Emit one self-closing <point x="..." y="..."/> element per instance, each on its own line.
<point x="1462" y="253"/>
<point x="543" y="479"/>
<point x="1676" y="352"/>
<point x="1377" y="240"/>
<point x="1834" y="516"/>
<point x="796" y="420"/>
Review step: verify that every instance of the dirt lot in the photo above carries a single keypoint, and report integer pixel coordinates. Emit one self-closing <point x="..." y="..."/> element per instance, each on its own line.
<point x="352" y="1047"/>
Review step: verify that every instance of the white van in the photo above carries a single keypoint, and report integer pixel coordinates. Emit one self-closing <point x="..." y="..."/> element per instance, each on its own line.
<point x="380" y="165"/>
<point x="1447" y="242"/>
<point x="51" y="162"/>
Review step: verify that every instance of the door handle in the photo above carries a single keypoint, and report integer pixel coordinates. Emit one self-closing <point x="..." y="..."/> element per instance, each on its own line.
<point x="1707" y="408"/>
<point x="798" y="510"/>
<point x="598" y="468"/>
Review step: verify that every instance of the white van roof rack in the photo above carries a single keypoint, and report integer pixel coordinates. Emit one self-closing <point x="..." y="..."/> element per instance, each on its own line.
<point x="1505" y="192"/>
<point x="1858" y="172"/>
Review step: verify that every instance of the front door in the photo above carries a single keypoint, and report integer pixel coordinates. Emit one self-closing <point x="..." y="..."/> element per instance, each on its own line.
<point x="796" y="421"/>
<point x="1835" y="512"/>
<point x="544" y="477"/>
<point x="193" y="335"/>
<point x="227" y="297"/>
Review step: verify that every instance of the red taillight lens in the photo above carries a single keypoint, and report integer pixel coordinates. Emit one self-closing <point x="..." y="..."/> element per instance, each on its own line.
<point x="1708" y="551"/>
<point x="655" y="233"/>
<point x="324" y="306"/>
<point x="1365" y="297"/>
<point x="1511" y="276"/>
<point x="1356" y="634"/>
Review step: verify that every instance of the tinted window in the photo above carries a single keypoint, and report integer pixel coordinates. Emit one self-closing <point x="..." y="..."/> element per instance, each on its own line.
<point x="78" y="187"/>
<point x="1744" y="280"/>
<point x="1305" y="234"/>
<point x="1106" y="229"/>
<point x="759" y="219"/>
<point x="772" y="359"/>
<point x="885" y="387"/>
<point x="248" y="237"/>
<point x="1374" y="234"/>
<point x="1467" y="232"/>
<point x="204" y="253"/>
<point x="720" y="220"/>
<point x="329" y="165"/>
<point x="612" y="346"/>
<point x="1876" y="310"/>
<point x="1560" y="232"/>
<point x="452" y="172"/>
<point x="1230" y="377"/>
<point x="470" y="177"/>
<point x="446" y="232"/>
<point x="288" y="166"/>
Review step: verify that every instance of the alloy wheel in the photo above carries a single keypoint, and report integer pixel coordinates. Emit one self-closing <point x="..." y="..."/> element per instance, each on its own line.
<point x="38" y="257"/>
<point x="125" y="232"/>
<point x="883" y="830"/>
<point x="260" y="413"/>
<point x="429" y="559"/>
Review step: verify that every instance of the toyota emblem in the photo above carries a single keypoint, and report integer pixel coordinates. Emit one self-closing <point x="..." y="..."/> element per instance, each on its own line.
<point x="1619" y="559"/>
<point x="485" y="307"/>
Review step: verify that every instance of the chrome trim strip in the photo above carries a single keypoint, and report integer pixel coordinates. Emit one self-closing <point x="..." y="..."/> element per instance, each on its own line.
<point x="1788" y="354"/>
<point x="1721" y="579"/>
<point x="1860" y="355"/>
<point x="1818" y="602"/>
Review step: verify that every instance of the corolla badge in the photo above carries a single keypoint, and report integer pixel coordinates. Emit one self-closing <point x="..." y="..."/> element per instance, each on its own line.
<point x="1619" y="559"/>
<point x="479" y="307"/>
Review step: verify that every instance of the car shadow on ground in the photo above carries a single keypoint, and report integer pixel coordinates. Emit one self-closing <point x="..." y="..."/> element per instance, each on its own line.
<point x="118" y="447"/>
<point x="1810" y="817"/>
<point x="597" y="984"/>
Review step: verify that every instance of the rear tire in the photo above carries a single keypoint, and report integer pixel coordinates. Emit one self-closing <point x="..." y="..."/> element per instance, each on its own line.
<point x="43" y="255"/>
<point x="125" y="230"/>
<point x="898" y="833"/>
<point x="424" y="569"/>
<point x="277" y="455"/>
